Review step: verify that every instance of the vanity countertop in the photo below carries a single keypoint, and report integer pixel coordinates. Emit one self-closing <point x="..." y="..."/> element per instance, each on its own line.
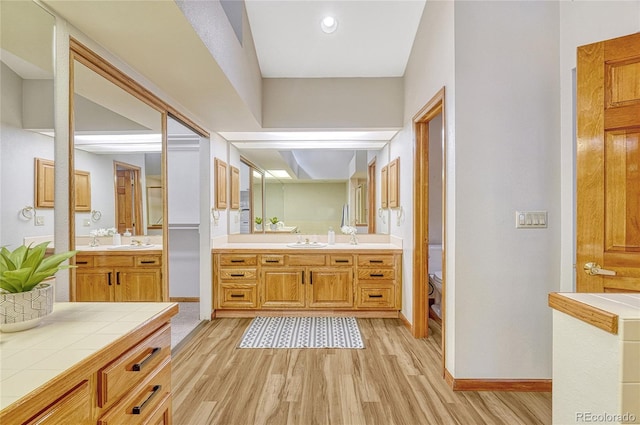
<point x="119" y="248"/>
<point x="73" y="333"/>
<point x="292" y="247"/>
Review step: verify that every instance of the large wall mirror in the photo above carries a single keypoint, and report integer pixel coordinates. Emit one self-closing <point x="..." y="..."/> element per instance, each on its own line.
<point x="310" y="190"/>
<point x="26" y="133"/>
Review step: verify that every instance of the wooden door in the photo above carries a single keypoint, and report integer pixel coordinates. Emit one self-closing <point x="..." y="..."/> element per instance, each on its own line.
<point x="138" y="285"/>
<point x="608" y="166"/>
<point x="283" y="288"/>
<point x="124" y="201"/>
<point x="330" y="288"/>
<point x="94" y="284"/>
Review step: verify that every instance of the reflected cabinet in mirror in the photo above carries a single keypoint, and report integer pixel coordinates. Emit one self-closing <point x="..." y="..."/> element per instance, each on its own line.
<point x="310" y="191"/>
<point x="117" y="189"/>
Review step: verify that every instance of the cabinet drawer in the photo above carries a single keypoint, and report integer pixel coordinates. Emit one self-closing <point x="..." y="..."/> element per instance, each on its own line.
<point x="272" y="260"/>
<point x="340" y="260"/>
<point x="374" y="274"/>
<point x="375" y="260"/>
<point x="71" y="408"/>
<point x="148" y="260"/>
<point x="132" y="367"/>
<point x="143" y="402"/>
<point x="113" y="261"/>
<point x="375" y="295"/>
<point x="238" y="274"/>
<point x="306" y="260"/>
<point x="238" y="260"/>
<point x="238" y="295"/>
<point x="83" y="261"/>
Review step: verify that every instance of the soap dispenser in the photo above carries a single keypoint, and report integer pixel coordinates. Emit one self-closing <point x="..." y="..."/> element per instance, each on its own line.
<point x="331" y="237"/>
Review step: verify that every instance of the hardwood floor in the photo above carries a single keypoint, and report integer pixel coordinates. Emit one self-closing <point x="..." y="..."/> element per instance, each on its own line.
<point x="396" y="379"/>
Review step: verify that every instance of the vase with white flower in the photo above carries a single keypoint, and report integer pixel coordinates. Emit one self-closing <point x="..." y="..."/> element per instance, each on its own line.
<point x="351" y="231"/>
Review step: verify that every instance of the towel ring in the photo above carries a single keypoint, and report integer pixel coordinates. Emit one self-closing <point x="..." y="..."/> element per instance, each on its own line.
<point x="27" y="212"/>
<point x="96" y="215"/>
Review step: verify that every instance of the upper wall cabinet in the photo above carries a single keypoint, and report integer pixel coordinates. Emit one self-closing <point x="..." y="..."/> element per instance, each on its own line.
<point x="394" y="184"/>
<point x="44" y="183"/>
<point x="221" y="184"/>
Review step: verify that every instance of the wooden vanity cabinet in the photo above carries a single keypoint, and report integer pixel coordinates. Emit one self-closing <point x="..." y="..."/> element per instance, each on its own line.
<point x="281" y="280"/>
<point x="117" y="277"/>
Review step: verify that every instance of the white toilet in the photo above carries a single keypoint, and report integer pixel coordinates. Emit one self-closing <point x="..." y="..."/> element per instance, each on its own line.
<point x="435" y="278"/>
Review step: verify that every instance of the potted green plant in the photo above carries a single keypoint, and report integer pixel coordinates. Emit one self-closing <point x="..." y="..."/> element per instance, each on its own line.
<point x="26" y="285"/>
<point x="258" y="222"/>
<point x="274" y="223"/>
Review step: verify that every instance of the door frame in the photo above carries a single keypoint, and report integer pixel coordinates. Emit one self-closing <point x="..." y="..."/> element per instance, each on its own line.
<point x="137" y="195"/>
<point x="421" y="121"/>
<point x="371" y="196"/>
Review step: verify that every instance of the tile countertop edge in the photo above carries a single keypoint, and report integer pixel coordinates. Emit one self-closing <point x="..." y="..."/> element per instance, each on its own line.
<point x="339" y="247"/>
<point x="76" y="372"/>
<point x="600" y="310"/>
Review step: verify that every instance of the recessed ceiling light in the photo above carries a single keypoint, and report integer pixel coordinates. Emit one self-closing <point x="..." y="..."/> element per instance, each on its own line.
<point x="329" y="24"/>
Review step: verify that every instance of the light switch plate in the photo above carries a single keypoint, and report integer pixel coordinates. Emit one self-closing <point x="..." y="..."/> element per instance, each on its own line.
<point x="531" y="219"/>
<point x="39" y="220"/>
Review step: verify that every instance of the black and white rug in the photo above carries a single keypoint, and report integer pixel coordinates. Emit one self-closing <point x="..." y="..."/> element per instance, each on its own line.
<point x="302" y="332"/>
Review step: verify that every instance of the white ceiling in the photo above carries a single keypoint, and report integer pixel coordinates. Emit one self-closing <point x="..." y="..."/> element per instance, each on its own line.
<point x="373" y="38"/>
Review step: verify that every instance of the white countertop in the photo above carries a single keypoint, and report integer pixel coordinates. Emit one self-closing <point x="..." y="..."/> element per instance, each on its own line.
<point x="119" y="248"/>
<point x="303" y="247"/>
<point x="625" y="306"/>
<point x="70" y="334"/>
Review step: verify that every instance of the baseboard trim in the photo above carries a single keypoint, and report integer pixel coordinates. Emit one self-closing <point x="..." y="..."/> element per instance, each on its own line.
<point x="521" y="385"/>
<point x="405" y="321"/>
<point x="184" y="299"/>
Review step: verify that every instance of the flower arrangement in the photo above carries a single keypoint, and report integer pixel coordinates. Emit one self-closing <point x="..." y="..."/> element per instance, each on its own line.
<point x="104" y="232"/>
<point x="351" y="231"/>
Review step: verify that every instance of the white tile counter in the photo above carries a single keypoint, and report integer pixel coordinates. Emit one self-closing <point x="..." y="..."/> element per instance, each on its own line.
<point x="71" y="334"/>
<point x="596" y="358"/>
<point x="258" y="246"/>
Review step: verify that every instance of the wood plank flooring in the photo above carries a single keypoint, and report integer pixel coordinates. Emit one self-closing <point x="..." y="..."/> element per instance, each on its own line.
<point x="396" y="379"/>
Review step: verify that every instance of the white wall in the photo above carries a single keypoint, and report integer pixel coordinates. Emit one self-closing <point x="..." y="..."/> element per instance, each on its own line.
<point x="583" y="22"/>
<point x="507" y="159"/>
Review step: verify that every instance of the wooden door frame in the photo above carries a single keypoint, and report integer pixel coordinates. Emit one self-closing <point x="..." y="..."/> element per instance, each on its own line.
<point x="117" y="165"/>
<point x="421" y="121"/>
<point x="371" y="201"/>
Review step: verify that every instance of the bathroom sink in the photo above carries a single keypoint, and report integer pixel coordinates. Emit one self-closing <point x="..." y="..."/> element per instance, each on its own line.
<point x="307" y="245"/>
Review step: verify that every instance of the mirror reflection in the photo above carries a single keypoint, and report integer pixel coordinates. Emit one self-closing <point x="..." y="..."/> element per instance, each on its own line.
<point x="26" y="133"/>
<point x="310" y="191"/>
<point x="117" y="144"/>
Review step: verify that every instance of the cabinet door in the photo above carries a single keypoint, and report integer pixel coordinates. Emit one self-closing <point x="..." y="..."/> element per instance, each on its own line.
<point x="72" y="408"/>
<point x="138" y="285"/>
<point x="94" y="284"/>
<point x="330" y="288"/>
<point x="283" y="288"/>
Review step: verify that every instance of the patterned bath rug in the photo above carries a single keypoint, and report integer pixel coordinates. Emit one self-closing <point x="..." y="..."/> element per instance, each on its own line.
<point x="302" y="332"/>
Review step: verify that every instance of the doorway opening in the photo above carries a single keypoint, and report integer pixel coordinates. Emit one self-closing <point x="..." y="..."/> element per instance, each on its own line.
<point x="128" y="200"/>
<point x="429" y="210"/>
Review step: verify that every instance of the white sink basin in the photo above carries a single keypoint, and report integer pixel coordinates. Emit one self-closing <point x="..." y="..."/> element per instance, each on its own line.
<point x="306" y="245"/>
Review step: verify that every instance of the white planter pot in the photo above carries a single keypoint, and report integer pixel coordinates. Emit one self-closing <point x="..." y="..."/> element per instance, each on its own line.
<point x="273" y="227"/>
<point x="25" y="310"/>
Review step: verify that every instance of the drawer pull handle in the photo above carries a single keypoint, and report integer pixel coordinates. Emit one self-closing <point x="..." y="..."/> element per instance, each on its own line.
<point x="148" y="262"/>
<point x="237" y="261"/>
<point x="137" y="367"/>
<point x="375" y="296"/>
<point x="117" y="278"/>
<point x="82" y="262"/>
<point x="237" y="274"/>
<point x="138" y="409"/>
<point x="237" y="295"/>
<point x="302" y="277"/>
<point x="271" y="261"/>
<point x="342" y="261"/>
<point x="376" y="274"/>
<point x="376" y="261"/>
<point x="109" y="277"/>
